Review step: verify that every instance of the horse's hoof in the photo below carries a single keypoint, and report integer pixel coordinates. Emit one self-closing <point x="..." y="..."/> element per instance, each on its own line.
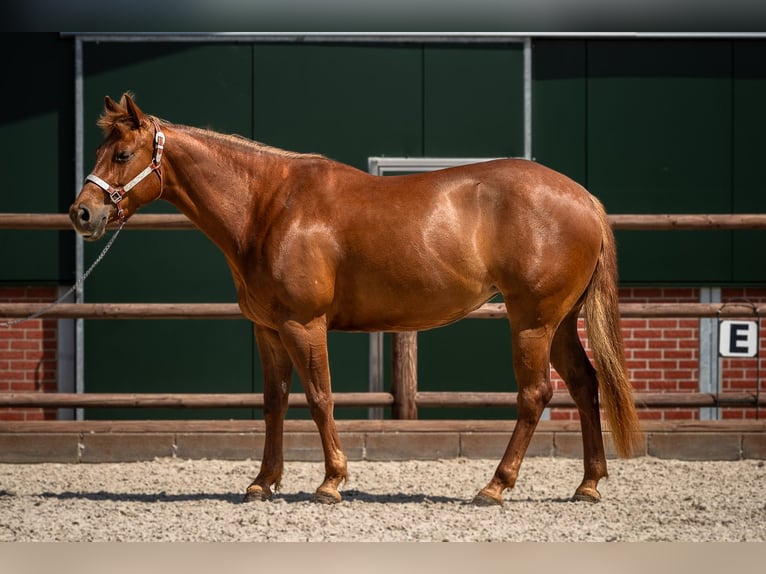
<point x="323" y="496"/>
<point x="256" y="493"/>
<point x="587" y="495"/>
<point x="483" y="499"/>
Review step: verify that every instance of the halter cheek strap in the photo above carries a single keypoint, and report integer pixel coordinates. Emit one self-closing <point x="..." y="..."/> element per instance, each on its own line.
<point x="117" y="194"/>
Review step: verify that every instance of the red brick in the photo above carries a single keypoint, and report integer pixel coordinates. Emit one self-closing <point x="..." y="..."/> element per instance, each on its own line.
<point x="678" y="375"/>
<point x="677" y="353"/>
<point x="663" y="323"/>
<point x="647" y="333"/>
<point x="658" y="343"/>
<point x="662" y="364"/>
<point x="23" y="365"/>
<point x="32" y="349"/>
<point x="682" y="294"/>
<point x="647" y="375"/>
<point x="690" y="365"/>
<point x="679" y="414"/>
<point x="635" y="343"/>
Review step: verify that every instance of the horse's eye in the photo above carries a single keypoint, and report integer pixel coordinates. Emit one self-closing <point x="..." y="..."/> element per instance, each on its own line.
<point x="123" y="156"/>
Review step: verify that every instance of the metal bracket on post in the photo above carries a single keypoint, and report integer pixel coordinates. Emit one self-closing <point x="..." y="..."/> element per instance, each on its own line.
<point x="709" y="361"/>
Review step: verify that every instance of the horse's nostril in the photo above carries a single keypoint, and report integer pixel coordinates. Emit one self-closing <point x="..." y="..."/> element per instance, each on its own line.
<point x="84" y="214"/>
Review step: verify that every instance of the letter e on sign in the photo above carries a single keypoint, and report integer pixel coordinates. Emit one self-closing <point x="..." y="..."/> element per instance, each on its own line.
<point x="738" y="338"/>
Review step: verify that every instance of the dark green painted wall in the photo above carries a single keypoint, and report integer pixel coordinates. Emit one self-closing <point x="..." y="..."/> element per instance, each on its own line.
<point x="660" y="127"/>
<point x="37" y="154"/>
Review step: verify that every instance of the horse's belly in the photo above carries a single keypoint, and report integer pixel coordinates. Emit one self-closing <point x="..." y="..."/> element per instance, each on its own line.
<point x="406" y="311"/>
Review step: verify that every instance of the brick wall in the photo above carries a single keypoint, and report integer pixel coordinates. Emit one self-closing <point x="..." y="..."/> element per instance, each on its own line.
<point x="28" y="354"/>
<point x="663" y="354"/>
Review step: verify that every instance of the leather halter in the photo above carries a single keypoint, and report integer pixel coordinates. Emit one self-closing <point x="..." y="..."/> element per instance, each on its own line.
<point x="117" y="193"/>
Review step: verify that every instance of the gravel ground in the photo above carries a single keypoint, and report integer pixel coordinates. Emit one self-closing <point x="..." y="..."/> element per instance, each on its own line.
<point x="645" y="499"/>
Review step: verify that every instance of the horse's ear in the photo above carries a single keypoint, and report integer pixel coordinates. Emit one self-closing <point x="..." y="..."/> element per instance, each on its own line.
<point x="134" y="113"/>
<point x="110" y="105"/>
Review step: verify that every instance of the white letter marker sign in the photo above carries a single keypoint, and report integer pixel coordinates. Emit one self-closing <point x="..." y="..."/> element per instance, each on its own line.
<point x="738" y="338"/>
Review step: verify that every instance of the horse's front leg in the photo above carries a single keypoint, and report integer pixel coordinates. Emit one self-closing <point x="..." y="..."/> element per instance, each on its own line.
<point x="277" y="374"/>
<point x="307" y="345"/>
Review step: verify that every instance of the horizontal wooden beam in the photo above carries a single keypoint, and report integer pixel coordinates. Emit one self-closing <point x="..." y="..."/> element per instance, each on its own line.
<point x="688" y="222"/>
<point x="61" y="221"/>
<point x="232" y="311"/>
<point x="633" y="222"/>
<point x="364" y="399"/>
<point x="125" y="310"/>
<point x="563" y="400"/>
<point x="356" y="425"/>
<point x="179" y="400"/>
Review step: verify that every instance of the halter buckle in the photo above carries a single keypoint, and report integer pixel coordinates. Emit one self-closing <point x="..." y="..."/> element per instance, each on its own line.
<point x="159" y="144"/>
<point x="116" y="196"/>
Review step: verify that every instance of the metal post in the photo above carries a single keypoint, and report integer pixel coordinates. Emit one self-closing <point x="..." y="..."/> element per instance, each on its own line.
<point x="376" y="372"/>
<point x="79" y="342"/>
<point x="709" y="361"/>
<point x="528" y="98"/>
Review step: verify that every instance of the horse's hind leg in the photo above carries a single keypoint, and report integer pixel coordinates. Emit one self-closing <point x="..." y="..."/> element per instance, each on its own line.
<point x="531" y="352"/>
<point x="277" y="374"/>
<point x="569" y="359"/>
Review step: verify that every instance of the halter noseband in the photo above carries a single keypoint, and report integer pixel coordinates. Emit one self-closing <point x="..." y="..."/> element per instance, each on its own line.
<point x="117" y="194"/>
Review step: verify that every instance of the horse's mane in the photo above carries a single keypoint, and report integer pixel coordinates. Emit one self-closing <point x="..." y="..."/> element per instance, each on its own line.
<point x="112" y="119"/>
<point x="242" y="141"/>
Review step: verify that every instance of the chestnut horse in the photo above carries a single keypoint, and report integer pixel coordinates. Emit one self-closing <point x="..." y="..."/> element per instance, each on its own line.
<point x="315" y="245"/>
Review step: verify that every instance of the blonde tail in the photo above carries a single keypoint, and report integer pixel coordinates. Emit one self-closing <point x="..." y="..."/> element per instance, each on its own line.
<point x="602" y="320"/>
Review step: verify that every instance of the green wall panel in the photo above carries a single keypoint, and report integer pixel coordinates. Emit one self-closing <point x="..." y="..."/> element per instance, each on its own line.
<point x="36" y="140"/>
<point x="559" y="121"/>
<point x="346" y="102"/>
<point x="659" y="141"/>
<point x="749" y="195"/>
<point x="660" y="127"/>
<point x="471" y="355"/>
<point x="473" y="101"/>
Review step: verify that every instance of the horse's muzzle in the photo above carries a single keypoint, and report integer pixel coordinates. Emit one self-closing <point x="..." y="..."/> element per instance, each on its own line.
<point x="89" y="222"/>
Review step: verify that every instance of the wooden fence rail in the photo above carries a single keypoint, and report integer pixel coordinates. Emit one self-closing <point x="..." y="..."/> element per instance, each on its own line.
<point x="297" y="400"/>
<point x="147" y="311"/>
<point x="635" y="222"/>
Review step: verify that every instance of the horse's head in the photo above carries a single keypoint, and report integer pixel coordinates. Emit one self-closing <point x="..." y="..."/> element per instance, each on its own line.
<point x="119" y="183"/>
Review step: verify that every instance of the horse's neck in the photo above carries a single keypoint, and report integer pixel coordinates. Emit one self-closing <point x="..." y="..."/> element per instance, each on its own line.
<point x="211" y="184"/>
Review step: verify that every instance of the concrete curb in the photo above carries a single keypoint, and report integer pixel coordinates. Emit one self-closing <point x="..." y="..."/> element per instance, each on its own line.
<point x="380" y="445"/>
